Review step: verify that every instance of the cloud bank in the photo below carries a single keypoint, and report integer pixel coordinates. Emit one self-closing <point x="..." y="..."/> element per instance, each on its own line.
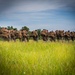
<point x="50" y="14"/>
<point x="35" y="5"/>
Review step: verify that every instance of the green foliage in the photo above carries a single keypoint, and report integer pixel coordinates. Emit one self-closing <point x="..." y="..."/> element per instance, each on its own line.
<point x="0" y="27"/>
<point x="14" y="28"/>
<point x="25" y="28"/>
<point x="39" y="33"/>
<point x="37" y="58"/>
<point x="1" y="39"/>
<point x="11" y="27"/>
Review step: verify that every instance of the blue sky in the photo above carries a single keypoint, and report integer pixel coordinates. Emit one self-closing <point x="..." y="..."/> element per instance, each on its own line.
<point x="38" y="14"/>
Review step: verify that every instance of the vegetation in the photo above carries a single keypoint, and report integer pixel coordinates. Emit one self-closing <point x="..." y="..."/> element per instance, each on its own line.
<point x="25" y="28"/>
<point x="39" y="33"/>
<point x="11" y="27"/>
<point x="0" y="27"/>
<point x="37" y="58"/>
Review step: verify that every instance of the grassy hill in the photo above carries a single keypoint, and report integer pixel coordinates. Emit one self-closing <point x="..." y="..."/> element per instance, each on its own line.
<point x="37" y="58"/>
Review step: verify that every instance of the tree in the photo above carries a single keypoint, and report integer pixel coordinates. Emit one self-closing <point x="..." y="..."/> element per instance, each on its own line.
<point x="0" y="27"/>
<point x="39" y="33"/>
<point x="15" y="28"/>
<point x="25" y="28"/>
<point x="10" y="27"/>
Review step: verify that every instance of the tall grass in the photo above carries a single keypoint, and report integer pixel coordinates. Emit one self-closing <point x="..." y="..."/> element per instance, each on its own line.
<point x="37" y="58"/>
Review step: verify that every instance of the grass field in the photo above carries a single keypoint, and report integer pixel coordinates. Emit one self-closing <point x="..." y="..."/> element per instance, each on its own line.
<point x="37" y="58"/>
